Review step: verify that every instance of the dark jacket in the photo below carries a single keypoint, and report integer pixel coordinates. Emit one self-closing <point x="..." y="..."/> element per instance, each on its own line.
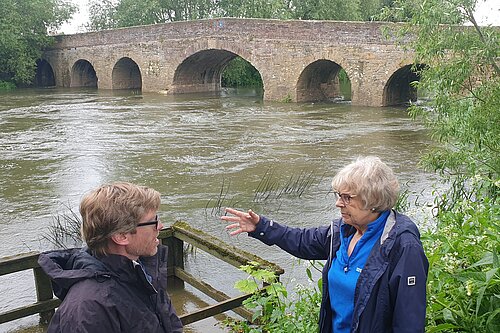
<point x="110" y="294"/>
<point x="390" y="291"/>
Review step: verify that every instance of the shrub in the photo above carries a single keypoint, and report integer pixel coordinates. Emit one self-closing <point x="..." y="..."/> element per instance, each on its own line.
<point x="464" y="280"/>
<point x="274" y="310"/>
<point x="4" y="85"/>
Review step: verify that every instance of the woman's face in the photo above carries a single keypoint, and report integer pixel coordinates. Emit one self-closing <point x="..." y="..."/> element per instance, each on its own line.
<point x="353" y="213"/>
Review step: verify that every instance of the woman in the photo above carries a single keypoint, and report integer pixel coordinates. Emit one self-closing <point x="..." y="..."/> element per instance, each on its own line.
<point x="374" y="279"/>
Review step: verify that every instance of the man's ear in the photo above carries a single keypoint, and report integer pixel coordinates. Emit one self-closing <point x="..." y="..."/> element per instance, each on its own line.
<point x="120" y="238"/>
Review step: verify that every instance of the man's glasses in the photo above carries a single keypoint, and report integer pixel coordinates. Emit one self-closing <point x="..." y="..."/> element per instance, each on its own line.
<point x="156" y="221"/>
<point x="345" y="197"/>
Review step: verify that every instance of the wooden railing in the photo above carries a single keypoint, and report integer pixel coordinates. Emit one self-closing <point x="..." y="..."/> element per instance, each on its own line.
<point x="45" y="303"/>
<point x="174" y="237"/>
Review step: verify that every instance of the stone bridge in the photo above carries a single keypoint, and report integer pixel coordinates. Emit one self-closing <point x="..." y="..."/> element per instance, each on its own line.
<point x="297" y="60"/>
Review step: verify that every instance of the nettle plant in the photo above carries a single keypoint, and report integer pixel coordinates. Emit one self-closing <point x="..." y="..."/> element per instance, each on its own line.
<point x="274" y="310"/>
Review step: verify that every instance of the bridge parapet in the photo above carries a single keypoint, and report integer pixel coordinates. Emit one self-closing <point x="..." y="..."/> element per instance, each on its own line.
<point x="337" y="32"/>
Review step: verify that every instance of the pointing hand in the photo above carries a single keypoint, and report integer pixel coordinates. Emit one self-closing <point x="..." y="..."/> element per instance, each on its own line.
<point x="240" y="221"/>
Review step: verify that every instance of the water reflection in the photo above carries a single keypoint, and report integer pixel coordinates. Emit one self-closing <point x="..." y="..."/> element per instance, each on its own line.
<point x="56" y="144"/>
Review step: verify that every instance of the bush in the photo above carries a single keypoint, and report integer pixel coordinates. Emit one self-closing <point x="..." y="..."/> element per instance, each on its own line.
<point x="4" y="85"/>
<point x="464" y="281"/>
<point x="274" y="310"/>
<point x="240" y="73"/>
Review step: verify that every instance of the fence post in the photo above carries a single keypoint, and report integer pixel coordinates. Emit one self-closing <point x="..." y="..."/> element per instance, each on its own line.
<point x="43" y="293"/>
<point x="175" y="258"/>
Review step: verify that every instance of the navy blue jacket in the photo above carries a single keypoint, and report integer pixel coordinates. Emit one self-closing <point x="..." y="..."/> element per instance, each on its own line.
<point x="110" y="294"/>
<point x="390" y="292"/>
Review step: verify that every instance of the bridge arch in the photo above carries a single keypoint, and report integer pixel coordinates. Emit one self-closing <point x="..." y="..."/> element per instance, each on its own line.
<point x="202" y="71"/>
<point x="83" y="74"/>
<point x="126" y="74"/>
<point x="319" y="81"/>
<point x="44" y="76"/>
<point x="399" y="89"/>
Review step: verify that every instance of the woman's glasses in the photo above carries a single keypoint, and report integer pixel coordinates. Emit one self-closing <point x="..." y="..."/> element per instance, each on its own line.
<point x="345" y="197"/>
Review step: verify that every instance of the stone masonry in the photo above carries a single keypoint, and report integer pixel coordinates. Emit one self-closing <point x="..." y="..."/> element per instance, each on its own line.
<point x="297" y="60"/>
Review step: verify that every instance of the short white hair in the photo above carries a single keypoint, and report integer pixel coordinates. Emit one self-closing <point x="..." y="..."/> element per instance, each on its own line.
<point x="370" y="179"/>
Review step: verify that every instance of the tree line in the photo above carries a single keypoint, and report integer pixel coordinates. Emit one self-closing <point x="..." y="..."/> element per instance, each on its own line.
<point x="108" y="14"/>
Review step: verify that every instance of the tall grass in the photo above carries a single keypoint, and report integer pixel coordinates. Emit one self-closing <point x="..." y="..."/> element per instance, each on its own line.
<point x="64" y="231"/>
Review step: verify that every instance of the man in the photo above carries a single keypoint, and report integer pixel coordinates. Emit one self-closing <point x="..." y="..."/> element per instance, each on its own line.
<point x="117" y="283"/>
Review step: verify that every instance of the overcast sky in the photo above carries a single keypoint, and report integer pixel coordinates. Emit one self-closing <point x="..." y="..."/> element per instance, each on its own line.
<point x="488" y="12"/>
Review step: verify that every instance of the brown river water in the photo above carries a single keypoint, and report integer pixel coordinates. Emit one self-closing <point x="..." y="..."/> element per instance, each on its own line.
<point x="57" y="144"/>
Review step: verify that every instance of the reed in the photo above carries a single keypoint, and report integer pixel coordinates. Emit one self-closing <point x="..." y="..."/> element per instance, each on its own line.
<point x="273" y="187"/>
<point x="215" y="206"/>
<point x="64" y="231"/>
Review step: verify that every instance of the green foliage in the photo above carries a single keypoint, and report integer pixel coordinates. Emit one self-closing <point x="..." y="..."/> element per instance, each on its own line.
<point x="266" y="9"/>
<point x="328" y="10"/>
<point x="105" y="14"/>
<point x="464" y="279"/>
<point x="274" y="311"/>
<point x="345" y="84"/>
<point x="7" y="85"/>
<point x="24" y="25"/>
<point x="101" y="15"/>
<point x="240" y="73"/>
<point x="463" y="82"/>
<point x="287" y="99"/>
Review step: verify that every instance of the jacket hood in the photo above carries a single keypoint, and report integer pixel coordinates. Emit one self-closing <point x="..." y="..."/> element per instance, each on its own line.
<point x="396" y="225"/>
<point x="67" y="267"/>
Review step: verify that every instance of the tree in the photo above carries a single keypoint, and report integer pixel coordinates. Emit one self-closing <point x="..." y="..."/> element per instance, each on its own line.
<point x="327" y="10"/>
<point x="240" y="73"/>
<point x="24" y="27"/>
<point x="266" y="9"/>
<point x="125" y="13"/>
<point x="101" y="15"/>
<point x="462" y="77"/>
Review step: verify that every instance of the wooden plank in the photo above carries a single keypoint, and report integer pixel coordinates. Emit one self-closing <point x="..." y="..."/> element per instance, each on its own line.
<point x="42" y="284"/>
<point x="213" y="310"/>
<point x="218" y="248"/>
<point x="18" y="263"/>
<point x="29" y="310"/>
<point x="211" y="292"/>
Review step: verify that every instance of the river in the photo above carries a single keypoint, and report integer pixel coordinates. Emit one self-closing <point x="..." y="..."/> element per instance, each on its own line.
<point x="57" y="144"/>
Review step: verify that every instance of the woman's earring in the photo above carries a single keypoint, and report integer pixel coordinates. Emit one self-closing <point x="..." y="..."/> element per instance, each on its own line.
<point x="373" y="210"/>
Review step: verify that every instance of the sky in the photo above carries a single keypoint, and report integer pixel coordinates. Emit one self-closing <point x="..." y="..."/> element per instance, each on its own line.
<point x="487" y="12"/>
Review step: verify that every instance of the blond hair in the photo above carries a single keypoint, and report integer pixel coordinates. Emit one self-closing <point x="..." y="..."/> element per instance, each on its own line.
<point x="370" y="179"/>
<point x="114" y="208"/>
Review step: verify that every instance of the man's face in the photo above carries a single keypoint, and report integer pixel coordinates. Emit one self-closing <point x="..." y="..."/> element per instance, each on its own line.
<point x="145" y="241"/>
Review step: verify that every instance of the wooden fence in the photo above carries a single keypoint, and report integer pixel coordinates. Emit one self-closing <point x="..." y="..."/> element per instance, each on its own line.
<point x="175" y="238"/>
